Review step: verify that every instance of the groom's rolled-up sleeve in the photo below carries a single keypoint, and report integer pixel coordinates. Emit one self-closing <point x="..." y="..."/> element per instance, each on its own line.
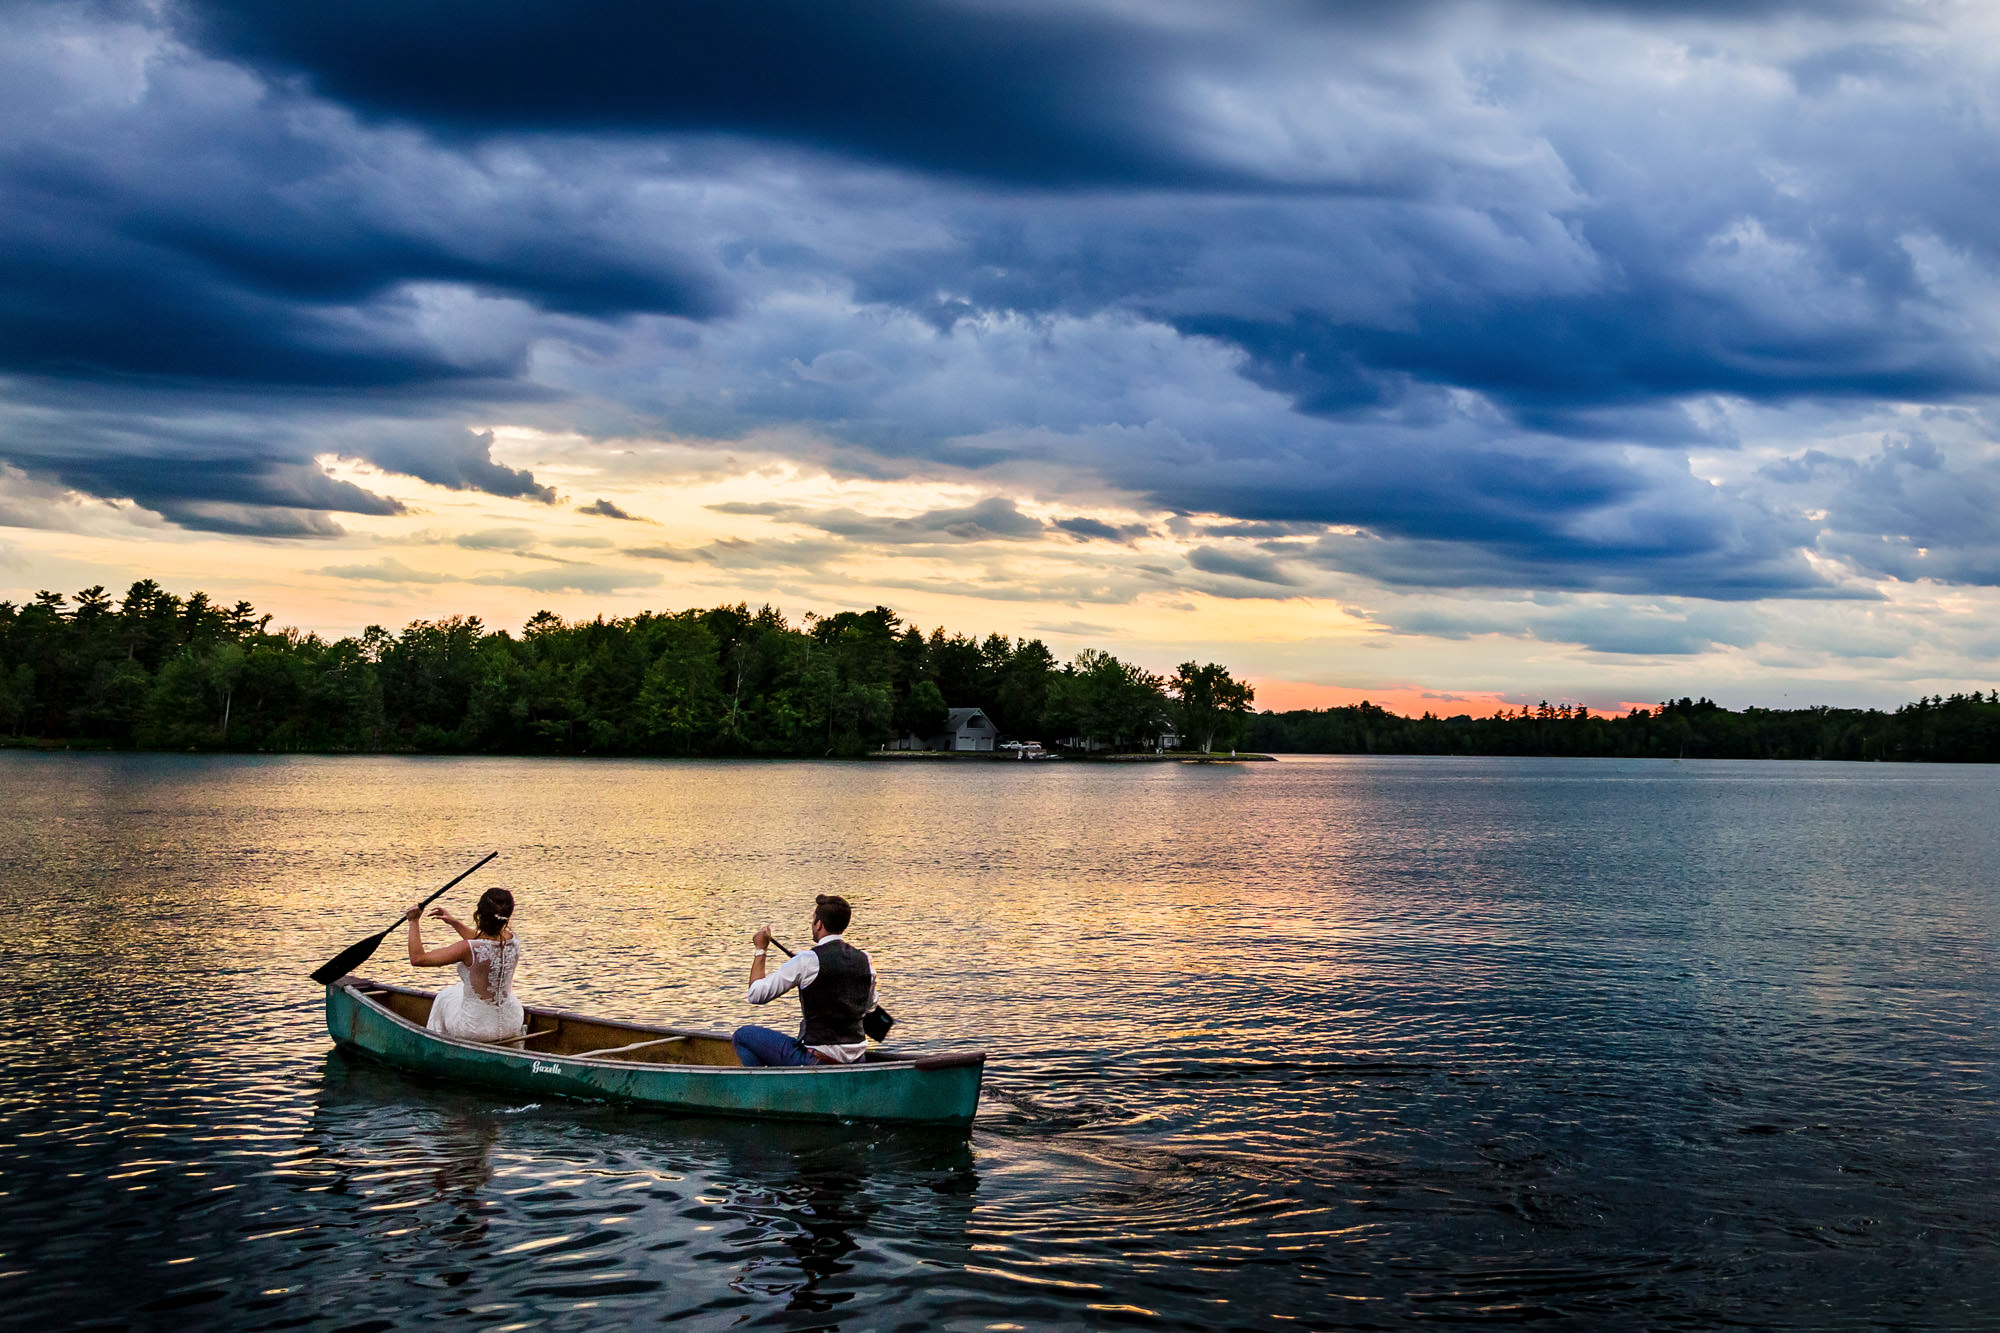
<point x="798" y="971"/>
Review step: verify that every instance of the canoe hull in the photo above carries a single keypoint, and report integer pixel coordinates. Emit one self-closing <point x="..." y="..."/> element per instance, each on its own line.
<point x="932" y="1091"/>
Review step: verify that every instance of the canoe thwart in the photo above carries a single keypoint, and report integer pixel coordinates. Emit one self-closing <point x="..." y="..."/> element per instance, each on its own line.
<point x="620" y="1050"/>
<point x="525" y="1036"/>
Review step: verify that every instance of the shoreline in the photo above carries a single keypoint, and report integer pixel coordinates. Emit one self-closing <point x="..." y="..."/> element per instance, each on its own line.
<point x="39" y="746"/>
<point x="991" y="756"/>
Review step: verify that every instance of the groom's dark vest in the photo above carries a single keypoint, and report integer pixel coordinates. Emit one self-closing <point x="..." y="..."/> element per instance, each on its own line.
<point x="834" y="1001"/>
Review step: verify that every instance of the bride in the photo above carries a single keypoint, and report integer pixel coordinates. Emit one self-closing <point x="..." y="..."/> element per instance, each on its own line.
<point x="481" y="1007"/>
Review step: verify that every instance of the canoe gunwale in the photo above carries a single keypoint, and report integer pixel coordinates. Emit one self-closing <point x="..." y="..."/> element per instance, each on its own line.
<point x="878" y="1061"/>
<point x="949" y="1060"/>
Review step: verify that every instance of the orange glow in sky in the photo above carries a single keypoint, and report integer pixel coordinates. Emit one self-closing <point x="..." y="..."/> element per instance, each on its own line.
<point x="1281" y="696"/>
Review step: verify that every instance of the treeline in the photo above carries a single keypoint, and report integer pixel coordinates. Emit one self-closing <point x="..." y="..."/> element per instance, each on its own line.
<point x="154" y="670"/>
<point x="1960" y="728"/>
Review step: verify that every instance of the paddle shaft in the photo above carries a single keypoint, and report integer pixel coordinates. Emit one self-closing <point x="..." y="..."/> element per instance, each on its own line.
<point x="354" y="955"/>
<point x="443" y="891"/>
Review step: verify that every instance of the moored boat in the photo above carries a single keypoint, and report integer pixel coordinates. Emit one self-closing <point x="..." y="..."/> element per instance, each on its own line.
<point x="673" y="1069"/>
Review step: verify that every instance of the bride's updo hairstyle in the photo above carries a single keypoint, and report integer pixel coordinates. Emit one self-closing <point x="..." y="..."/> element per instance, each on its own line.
<point x="495" y="907"/>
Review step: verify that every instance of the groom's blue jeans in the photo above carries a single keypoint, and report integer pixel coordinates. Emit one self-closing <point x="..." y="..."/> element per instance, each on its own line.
<point x="766" y="1046"/>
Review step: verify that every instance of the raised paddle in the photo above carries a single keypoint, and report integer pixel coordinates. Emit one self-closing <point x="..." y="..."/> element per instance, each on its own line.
<point x="875" y="1023"/>
<point x="354" y="955"/>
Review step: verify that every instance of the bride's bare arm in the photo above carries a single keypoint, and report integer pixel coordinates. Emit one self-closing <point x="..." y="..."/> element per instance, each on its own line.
<point x="455" y="952"/>
<point x="465" y="932"/>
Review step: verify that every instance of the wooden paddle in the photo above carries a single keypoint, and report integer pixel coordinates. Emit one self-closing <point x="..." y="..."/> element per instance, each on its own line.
<point x="354" y="955"/>
<point x="875" y="1023"/>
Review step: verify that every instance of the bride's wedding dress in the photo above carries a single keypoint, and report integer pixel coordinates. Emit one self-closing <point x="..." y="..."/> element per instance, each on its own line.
<point x="481" y="1007"/>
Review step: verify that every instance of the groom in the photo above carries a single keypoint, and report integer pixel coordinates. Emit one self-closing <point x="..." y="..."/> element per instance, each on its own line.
<point x="836" y="985"/>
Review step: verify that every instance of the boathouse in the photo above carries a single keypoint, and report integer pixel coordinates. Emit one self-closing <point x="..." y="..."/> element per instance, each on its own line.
<point x="966" y="729"/>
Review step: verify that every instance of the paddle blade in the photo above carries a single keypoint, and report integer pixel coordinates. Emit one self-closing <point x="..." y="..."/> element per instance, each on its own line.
<point x="353" y="956"/>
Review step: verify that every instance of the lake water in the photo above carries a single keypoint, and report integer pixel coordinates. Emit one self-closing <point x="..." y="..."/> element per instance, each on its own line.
<point x="1349" y="1043"/>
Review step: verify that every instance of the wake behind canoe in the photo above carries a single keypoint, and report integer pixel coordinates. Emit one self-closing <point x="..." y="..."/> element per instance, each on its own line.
<point x="673" y="1069"/>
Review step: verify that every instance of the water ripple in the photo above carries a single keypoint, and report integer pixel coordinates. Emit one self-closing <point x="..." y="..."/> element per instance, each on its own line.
<point x="1355" y="1044"/>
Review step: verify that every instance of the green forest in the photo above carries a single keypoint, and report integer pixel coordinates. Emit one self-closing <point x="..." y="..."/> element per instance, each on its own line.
<point x="1957" y="729"/>
<point x="157" y="671"/>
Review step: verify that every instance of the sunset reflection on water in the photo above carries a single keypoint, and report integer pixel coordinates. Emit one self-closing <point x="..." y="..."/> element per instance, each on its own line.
<point x="1631" y="1043"/>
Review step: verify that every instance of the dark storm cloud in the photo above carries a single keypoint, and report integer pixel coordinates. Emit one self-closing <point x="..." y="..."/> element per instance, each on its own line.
<point x="240" y="245"/>
<point x="1551" y="359"/>
<point x="462" y="461"/>
<point x="81" y="299"/>
<point x="1096" y="530"/>
<point x="183" y="251"/>
<point x="96" y="313"/>
<point x="1609" y="315"/>
<point x="1050" y="96"/>
<point x="1516" y="512"/>
<point x="985" y="520"/>
<point x="1777" y="570"/>
<point x="605" y="509"/>
<point x="306" y="256"/>
<point x="1033" y="93"/>
<point x="1909" y="513"/>
<point x="1637" y="630"/>
<point x="1241" y="565"/>
<point x="1462" y="281"/>
<point x="1808" y="465"/>
<point x="223" y="480"/>
<point x="246" y="468"/>
<point x="1255" y="531"/>
<point x="219" y="477"/>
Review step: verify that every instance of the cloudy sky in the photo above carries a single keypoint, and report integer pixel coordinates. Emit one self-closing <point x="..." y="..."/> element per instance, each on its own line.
<point x="1441" y="353"/>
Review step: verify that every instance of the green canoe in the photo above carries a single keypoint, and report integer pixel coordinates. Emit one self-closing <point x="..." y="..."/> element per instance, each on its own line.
<point x="673" y="1069"/>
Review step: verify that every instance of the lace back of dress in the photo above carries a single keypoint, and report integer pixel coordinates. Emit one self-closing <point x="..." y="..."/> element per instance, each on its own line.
<point x="491" y="973"/>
